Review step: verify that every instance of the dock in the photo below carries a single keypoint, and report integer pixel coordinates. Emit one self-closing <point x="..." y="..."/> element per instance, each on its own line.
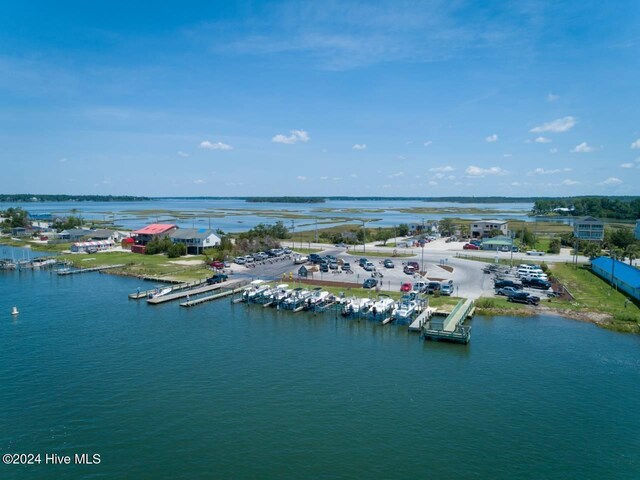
<point x="178" y="287"/>
<point x="451" y="328"/>
<point x="209" y="298"/>
<point x="187" y="293"/>
<point x="421" y="320"/>
<point x="87" y="270"/>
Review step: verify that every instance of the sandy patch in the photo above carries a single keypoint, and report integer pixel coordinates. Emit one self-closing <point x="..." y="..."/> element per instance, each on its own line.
<point x="187" y="262"/>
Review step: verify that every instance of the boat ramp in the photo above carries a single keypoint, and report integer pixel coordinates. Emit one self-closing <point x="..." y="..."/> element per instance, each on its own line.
<point x="450" y="328"/>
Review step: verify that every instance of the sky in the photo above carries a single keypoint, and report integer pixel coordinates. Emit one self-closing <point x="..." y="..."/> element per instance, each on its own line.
<point x="385" y="98"/>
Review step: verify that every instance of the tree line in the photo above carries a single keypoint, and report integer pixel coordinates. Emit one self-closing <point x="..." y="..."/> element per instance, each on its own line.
<point x="621" y="208"/>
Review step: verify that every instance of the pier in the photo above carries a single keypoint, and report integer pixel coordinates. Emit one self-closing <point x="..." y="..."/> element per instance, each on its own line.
<point x="421" y="320"/>
<point x="181" y="286"/>
<point x="209" y="298"/>
<point x="187" y="293"/>
<point x="451" y="328"/>
<point x="87" y="270"/>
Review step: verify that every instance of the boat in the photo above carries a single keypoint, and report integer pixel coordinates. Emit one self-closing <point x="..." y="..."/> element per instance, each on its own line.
<point x="255" y="290"/>
<point x="361" y="305"/>
<point x="43" y="262"/>
<point x="317" y="297"/>
<point x="282" y="292"/>
<point x="405" y="309"/>
<point x="298" y="296"/>
<point x="159" y="292"/>
<point x="382" y="305"/>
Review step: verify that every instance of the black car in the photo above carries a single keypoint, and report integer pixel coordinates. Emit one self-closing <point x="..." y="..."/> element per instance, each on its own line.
<point x="324" y="267"/>
<point x="432" y="287"/>
<point x="370" y="283"/>
<point x="523" y="297"/>
<point x="362" y="262"/>
<point x="217" y="278"/>
<point x="315" y="258"/>
<point x="536" y="283"/>
<point x="388" y="264"/>
<point x="506" y="283"/>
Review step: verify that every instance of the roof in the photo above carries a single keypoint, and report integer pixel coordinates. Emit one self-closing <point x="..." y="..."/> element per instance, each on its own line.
<point x="622" y="271"/>
<point x="498" y="240"/>
<point x="189" y="233"/>
<point x="588" y="220"/>
<point x="499" y="222"/>
<point x="102" y="233"/>
<point x="97" y="243"/>
<point x="155" y="229"/>
<point x="78" y="231"/>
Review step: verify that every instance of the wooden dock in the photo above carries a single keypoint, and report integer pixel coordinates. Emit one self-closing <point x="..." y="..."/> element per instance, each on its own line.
<point x="450" y="328"/>
<point x="208" y="298"/>
<point x="187" y="293"/>
<point x="421" y="320"/>
<point x="87" y="270"/>
<point x="180" y="286"/>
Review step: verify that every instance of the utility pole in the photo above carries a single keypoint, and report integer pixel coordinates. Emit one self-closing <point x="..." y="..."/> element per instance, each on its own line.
<point x="293" y="236"/>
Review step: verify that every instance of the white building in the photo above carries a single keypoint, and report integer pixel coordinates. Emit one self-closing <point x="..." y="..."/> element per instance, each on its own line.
<point x="483" y="228"/>
<point x="195" y="239"/>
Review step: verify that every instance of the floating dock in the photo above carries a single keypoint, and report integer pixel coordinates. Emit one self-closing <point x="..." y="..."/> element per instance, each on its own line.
<point x="176" y="288"/>
<point x="451" y="328"/>
<point x="187" y="293"/>
<point x="421" y="320"/>
<point x="87" y="270"/>
<point x="208" y="298"/>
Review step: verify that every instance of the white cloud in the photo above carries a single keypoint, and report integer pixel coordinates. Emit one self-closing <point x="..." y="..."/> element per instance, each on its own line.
<point x="553" y="150"/>
<point x="515" y="184"/>
<point x="507" y="155"/>
<point x="474" y="171"/>
<point x="360" y="146"/>
<point x="626" y="165"/>
<point x="199" y="181"/>
<point x="568" y="182"/>
<point x="396" y="175"/>
<point x="446" y="168"/>
<point x="542" y="140"/>
<point x="542" y="171"/>
<point x="582" y="148"/>
<point x="324" y="178"/>
<point x="427" y="143"/>
<point x="215" y="146"/>
<point x="551" y="97"/>
<point x="295" y="137"/>
<point x="611" y="181"/>
<point x="636" y="144"/>
<point x="438" y="176"/>
<point x="301" y="178"/>
<point x="558" y="125"/>
<point x="62" y="160"/>
<point x="336" y="179"/>
<point x="185" y="155"/>
<point x="353" y="175"/>
<point x="492" y="138"/>
<point x="432" y="183"/>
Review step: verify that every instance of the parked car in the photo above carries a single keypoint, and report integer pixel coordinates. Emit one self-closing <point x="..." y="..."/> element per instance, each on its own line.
<point x="414" y="265"/>
<point x="217" y="264"/>
<point x="286" y="251"/>
<point x="362" y="262"/>
<point x="300" y="259"/>
<point x="346" y="267"/>
<point x="405" y="287"/>
<point x="420" y="286"/>
<point x="433" y="287"/>
<point x="523" y="297"/>
<point x="506" y="291"/>
<point x="324" y="267"/>
<point x="341" y="245"/>
<point x="333" y="266"/>
<point x="446" y="289"/>
<point x="369" y="267"/>
<point x="240" y="260"/>
<point x="388" y="264"/>
<point x="536" y="283"/>
<point x="315" y="258"/>
<point x="248" y="259"/>
<point x="477" y="243"/>
<point x="370" y="283"/>
<point x="535" y="253"/>
<point x="470" y="246"/>
<point x="409" y="270"/>
<point x="506" y="283"/>
<point x="217" y="278"/>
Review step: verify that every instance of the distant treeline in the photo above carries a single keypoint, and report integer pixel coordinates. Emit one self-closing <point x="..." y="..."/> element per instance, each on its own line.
<point x="285" y="200"/>
<point x="29" y="197"/>
<point x="622" y="208"/>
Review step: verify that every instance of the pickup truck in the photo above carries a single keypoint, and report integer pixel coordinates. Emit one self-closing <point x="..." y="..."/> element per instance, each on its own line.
<point x="523" y="297"/>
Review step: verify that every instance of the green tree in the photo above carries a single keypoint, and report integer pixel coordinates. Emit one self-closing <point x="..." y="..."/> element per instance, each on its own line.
<point x="403" y="230"/>
<point x="622" y="237"/>
<point x="592" y="250"/>
<point x="446" y="226"/>
<point x="383" y="235"/>
<point x="554" y="245"/>
<point x="632" y="252"/>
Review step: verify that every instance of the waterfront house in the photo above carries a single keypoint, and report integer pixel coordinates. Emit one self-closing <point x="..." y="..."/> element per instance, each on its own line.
<point x="155" y="230"/>
<point x="195" y="239"/>
<point x="498" y="243"/>
<point x="91" y="247"/>
<point x="75" y="234"/>
<point x="637" y="230"/>
<point x="104" y="234"/>
<point x="588" y="228"/>
<point x="20" y="232"/>
<point x="625" y="277"/>
<point x="483" y="228"/>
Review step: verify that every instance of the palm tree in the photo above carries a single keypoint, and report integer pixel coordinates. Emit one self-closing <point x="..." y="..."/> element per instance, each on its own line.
<point x="632" y="252"/>
<point x="592" y="250"/>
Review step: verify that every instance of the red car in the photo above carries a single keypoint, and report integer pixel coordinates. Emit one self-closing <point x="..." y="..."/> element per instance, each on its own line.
<point x="217" y="264"/>
<point x="471" y="246"/>
<point x="405" y="287"/>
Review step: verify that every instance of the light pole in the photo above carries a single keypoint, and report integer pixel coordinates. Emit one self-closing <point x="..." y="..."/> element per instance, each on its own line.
<point x="364" y="236"/>
<point x="422" y="260"/>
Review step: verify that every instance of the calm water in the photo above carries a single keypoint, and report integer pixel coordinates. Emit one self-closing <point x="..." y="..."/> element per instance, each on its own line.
<point x="223" y="391"/>
<point x="224" y="213"/>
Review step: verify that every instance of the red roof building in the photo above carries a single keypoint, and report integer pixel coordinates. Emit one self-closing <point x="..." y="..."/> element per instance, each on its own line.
<point x="155" y="230"/>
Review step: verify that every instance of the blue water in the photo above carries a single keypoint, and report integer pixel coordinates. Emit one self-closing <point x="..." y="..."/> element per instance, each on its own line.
<point x="232" y="220"/>
<point x="222" y="391"/>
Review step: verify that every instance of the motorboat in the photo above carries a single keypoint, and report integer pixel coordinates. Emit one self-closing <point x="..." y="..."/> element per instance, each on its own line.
<point x="255" y="290"/>
<point x="382" y="305"/>
<point x="405" y="309"/>
<point x="159" y="292"/>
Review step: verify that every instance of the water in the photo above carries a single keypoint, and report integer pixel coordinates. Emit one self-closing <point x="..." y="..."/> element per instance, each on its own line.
<point x="236" y="214"/>
<point x="223" y="391"/>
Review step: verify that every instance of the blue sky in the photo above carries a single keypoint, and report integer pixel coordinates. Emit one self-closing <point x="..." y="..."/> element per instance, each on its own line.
<point x="432" y="98"/>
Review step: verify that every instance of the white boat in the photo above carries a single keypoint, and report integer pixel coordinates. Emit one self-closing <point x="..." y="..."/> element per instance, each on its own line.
<point x="159" y="292"/>
<point x="317" y="297"/>
<point x="382" y="305"/>
<point x="282" y="292"/>
<point x="255" y="290"/>
<point x="405" y="309"/>
<point x="298" y="295"/>
<point x="361" y="305"/>
<point x="42" y="262"/>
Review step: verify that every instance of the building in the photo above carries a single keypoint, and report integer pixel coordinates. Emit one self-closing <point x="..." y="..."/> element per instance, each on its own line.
<point x="155" y="230"/>
<point x="195" y="239"/>
<point x="75" y="234"/>
<point x="483" y="228"/>
<point x="625" y="277"/>
<point x="498" y="243"/>
<point x="104" y="234"/>
<point x="637" y="230"/>
<point x="91" y="247"/>
<point x="588" y="228"/>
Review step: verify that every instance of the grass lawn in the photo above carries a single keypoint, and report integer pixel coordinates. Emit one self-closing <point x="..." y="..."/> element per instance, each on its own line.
<point x="592" y="293"/>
